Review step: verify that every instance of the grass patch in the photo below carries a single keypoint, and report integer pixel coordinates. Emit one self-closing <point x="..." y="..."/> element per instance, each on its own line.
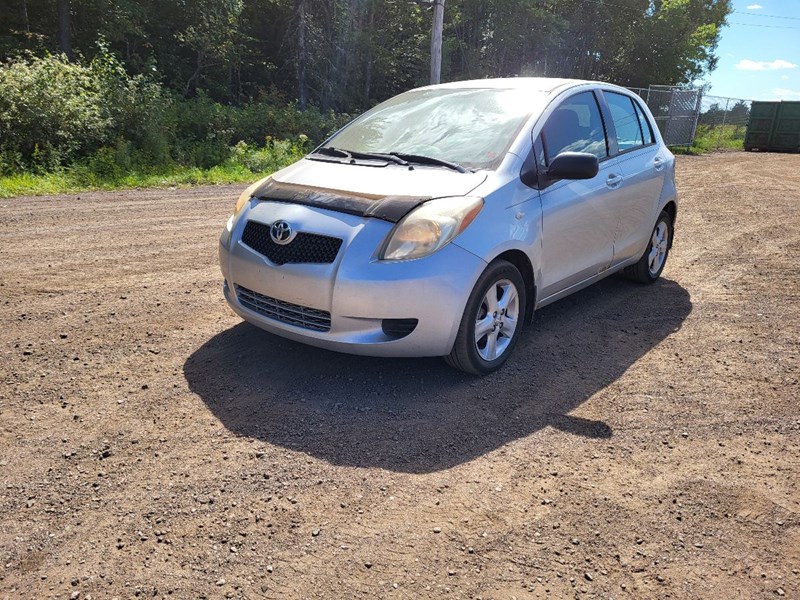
<point x="67" y="181"/>
<point x="709" y="138"/>
<point x="712" y="138"/>
<point x="106" y="171"/>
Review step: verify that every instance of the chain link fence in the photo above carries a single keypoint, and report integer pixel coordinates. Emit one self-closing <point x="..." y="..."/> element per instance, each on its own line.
<point x="722" y="123"/>
<point x="687" y="117"/>
<point x="675" y="111"/>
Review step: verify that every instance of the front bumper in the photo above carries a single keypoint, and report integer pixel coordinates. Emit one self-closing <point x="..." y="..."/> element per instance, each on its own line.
<point x="358" y="290"/>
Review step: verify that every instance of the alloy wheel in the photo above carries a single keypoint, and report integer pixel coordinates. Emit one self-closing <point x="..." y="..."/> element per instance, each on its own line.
<point x="658" y="248"/>
<point x="497" y="320"/>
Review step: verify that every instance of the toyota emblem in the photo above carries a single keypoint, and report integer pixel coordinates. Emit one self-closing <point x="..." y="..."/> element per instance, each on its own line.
<point x="281" y="232"/>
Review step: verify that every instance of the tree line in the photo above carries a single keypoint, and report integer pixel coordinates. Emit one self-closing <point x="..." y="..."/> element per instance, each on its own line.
<point x="346" y="55"/>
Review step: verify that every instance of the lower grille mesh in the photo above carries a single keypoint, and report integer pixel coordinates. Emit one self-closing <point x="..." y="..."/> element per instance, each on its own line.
<point x="285" y="312"/>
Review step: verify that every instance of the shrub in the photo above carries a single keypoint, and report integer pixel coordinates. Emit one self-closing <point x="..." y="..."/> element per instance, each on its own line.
<point x="718" y="137"/>
<point x="53" y="112"/>
<point x="50" y="112"/>
<point x="204" y="130"/>
<point x="275" y="155"/>
<point x="96" y="118"/>
<point x="254" y="121"/>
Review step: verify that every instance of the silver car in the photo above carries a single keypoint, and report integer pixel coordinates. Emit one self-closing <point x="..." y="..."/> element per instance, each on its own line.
<point x="437" y="222"/>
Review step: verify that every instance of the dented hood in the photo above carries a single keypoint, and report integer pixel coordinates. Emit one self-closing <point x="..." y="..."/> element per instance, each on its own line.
<point x="384" y="192"/>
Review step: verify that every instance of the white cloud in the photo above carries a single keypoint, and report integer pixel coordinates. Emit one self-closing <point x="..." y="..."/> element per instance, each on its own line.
<point x="754" y="7"/>
<point x="786" y="94"/>
<point x="784" y="77"/>
<point x="763" y="65"/>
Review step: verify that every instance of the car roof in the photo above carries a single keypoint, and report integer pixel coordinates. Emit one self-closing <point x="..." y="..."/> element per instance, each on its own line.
<point x="533" y="84"/>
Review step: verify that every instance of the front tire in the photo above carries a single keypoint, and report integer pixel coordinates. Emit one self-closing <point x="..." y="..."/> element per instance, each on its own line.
<point x="650" y="266"/>
<point x="492" y="321"/>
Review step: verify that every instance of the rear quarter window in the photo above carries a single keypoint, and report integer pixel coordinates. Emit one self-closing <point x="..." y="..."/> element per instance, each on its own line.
<point x="644" y="122"/>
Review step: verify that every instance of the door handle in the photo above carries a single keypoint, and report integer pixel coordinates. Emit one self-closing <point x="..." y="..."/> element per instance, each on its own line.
<point x="658" y="163"/>
<point x="613" y="180"/>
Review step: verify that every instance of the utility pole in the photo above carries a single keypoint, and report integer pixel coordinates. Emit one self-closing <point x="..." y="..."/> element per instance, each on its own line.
<point x="436" y="41"/>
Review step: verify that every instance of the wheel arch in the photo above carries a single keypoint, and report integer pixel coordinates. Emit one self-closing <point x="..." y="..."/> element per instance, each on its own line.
<point x="671" y="208"/>
<point x="523" y="264"/>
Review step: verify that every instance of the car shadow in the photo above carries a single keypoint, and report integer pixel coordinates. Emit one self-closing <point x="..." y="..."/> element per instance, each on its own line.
<point x="419" y="415"/>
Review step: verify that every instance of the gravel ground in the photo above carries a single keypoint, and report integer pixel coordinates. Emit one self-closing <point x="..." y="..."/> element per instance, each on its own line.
<point x="643" y="442"/>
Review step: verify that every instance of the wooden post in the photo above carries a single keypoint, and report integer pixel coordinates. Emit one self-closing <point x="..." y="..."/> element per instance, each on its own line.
<point x="436" y="41"/>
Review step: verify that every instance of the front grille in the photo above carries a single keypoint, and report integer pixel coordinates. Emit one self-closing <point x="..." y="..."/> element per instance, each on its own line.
<point x="304" y="248"/>
<point x="285" y="312"/>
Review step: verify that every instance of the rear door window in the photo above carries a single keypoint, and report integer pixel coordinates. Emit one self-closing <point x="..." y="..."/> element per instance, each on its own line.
<point x="575" y="126"/>
<point x="626" y="121"/>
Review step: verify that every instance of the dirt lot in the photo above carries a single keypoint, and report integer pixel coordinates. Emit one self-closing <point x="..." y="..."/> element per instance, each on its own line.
<point x="643" y="442"/>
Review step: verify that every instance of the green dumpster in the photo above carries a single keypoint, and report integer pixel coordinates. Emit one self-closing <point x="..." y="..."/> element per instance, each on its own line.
<point x="773" y="126"/>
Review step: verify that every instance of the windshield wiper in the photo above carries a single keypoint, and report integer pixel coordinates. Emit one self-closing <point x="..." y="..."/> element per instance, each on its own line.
<point x="429" y="160"/>
<point x="352" y="154"/>
<point x="331" y="151"/>
<point x="400" y="158"/>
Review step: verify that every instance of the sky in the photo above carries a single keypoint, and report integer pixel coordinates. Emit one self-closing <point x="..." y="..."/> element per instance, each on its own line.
<point x="759" y="52"/>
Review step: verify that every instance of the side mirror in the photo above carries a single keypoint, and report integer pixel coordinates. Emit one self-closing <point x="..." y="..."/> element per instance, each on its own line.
<point x="573" y="165"/>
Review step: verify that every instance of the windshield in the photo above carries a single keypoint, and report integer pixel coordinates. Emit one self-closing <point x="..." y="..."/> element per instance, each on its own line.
<point x="470" y="127"/>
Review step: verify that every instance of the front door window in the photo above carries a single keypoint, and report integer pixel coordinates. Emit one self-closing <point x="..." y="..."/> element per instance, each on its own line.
<point x="575" y="126"/>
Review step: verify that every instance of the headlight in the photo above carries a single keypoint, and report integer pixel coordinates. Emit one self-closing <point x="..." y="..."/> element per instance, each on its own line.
<point x="225" y="238"/>
<point x="246" y="195"/>
<point x="240" y="204"/>
<point x="431" y="226"/>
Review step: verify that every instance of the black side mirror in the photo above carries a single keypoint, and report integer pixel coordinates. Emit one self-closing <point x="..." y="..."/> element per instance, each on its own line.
<point x="573" y="165"/>
<point x="567" y="165"/>
<point x="530" y="172"/>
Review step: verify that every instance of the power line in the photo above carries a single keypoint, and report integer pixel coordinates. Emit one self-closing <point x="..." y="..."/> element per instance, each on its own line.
<point x="738" y="12"/>
<point x="632" y="10"/>
<point x="755" y="14"/>
<point x="759" y="25"/>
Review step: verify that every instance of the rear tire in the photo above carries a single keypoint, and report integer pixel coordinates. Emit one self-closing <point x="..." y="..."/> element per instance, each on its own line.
<point x="652" y="262"/>
<point x="492" y="321"/>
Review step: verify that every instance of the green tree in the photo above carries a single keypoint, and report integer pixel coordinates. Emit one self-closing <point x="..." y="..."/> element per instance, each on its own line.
<point x="347" y="54"/>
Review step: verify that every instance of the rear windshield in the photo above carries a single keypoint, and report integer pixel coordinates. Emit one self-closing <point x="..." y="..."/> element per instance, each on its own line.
<point x="471" y="127"/>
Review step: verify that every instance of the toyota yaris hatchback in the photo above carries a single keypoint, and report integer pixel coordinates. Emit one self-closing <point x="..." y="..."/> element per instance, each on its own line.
<point x="437" y="222"/>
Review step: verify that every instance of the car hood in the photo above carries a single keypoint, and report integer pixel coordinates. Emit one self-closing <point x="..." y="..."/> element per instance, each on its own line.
<point x="384" y="192"/>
